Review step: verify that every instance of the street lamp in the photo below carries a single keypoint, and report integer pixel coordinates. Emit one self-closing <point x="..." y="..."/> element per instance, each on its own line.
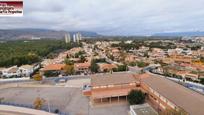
<point x="48" y="104"/>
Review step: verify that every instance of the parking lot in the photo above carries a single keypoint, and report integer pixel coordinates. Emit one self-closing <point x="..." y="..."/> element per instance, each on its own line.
<point x="66" y="99"/>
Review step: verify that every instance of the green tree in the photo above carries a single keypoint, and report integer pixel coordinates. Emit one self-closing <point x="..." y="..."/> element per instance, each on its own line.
<point x="122" y="68"/>
<point x="1" y="99"/>
<point x="69" y="69"/>
<point x="80" y="53"/>
<point x="142" y="64"/>
<point x="115" y="70"/>
<point x="202" y="81"/>
<point x="19" y="52"/>
<point x="82" y="59"/>
<point x="202" y="59"/>
<point x="136" y="97"/>
<point x="94" y="66"/>
<point x="68" y="62"/>
<point x="51" y="73"/>
<point x="132" y="64"/>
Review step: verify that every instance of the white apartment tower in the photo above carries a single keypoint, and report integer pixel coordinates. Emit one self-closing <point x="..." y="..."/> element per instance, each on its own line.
<point x="74" y="38"/>
<point x="77" y="37"/>
<point x="67" y="38"/>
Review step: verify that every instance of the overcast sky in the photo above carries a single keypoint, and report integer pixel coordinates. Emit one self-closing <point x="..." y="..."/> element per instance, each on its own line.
<point x="111" y="17"/>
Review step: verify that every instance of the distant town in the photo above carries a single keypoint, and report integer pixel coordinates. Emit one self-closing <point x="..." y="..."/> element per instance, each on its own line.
<point x="99" y="75"/>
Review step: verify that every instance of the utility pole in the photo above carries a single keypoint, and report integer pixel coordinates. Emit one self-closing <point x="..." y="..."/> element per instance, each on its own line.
<point x="48" y="104"/>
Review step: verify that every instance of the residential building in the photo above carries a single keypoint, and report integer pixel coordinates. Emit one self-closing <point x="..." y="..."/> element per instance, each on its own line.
<point x="55" y="68"/>
<point x="1" y="72"/>
<point x="11" y="71"/>
<point x="67" y="38"/>
<point x="161" y="93"/>
<point x="26" y="70"/>
<point x="165" y="94"/>
<point x="77" y="37"/>
<point x="82" y="67"/>
<point x="105" y="67"/>
<point x="131" y="58"/>
<point x="73" y="51"/>
<point x="111" y="87"/>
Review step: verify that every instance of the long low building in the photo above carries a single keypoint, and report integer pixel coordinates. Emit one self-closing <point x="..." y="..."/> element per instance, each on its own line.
<point x="168" y="94"/>
<point x="109" y="86"/>
<point x="162" y="94"/>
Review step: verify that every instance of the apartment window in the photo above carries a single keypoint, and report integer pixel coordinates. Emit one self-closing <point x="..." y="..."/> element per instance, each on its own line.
<point x="103" y="86"/>
<point x="95" y="87"/>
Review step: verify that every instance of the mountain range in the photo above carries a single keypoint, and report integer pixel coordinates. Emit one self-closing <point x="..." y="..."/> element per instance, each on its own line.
<point x="13" y="34"/>
<point x="27" y="33"/>
<point x="192" y="33"/>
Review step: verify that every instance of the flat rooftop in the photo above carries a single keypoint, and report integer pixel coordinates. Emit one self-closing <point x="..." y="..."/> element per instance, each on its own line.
<point x="144" y="109"/>
<point x="192" y="102"/>
<point x="112" y="79"/>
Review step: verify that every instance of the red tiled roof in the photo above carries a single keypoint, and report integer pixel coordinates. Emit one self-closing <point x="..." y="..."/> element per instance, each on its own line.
<point x="52" y="67"/>
<point x="82" y="65"/>
<point x="111" y="92"/>
<point x="112" y="79"/>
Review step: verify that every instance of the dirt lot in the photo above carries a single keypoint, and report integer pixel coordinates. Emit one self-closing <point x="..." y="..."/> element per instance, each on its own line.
<point x="67" y="99"/>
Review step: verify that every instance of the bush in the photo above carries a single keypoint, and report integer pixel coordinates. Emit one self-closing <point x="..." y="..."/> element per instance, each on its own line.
<point x="202" y="81"/>
<point x="51" y="73"/>
<point x="69" y="69"/>
<point x="142" y="64"/>
<point x="94" y="67"/>
<point x="37" y="77"/>
<point x="56" y="111"/>
<point x="136" y="97"/>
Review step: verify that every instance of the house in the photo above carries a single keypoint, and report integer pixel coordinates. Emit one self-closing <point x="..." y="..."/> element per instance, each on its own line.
<point x="182" y="59"/>
<point x="131" y="58"/>
<point x="157" y="53"/>
<point x="52" y="68"/>
<point x="192" y="76"/>
<point x="143" y="49"/>
<point x="115" y="52"/>
<point x="187" y="51"/>
<point x="11" y="71"/>
<point x="26" y="70"/>
<point x="73" y="51"/>
<point x="82" y="67"/>
<point x="1" y="72"/>
<point x="105" y="67"/>
<point x="128" y="41"/>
